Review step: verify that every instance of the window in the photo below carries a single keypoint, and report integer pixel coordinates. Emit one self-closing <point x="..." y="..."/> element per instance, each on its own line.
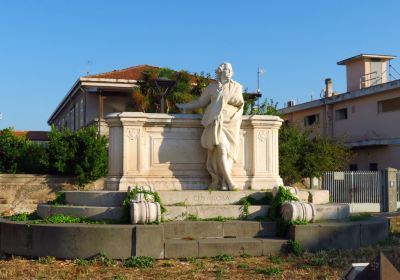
<point x="353" y="167"/>
<point x="341" y="114"/>
<point x="373" y="167"/>
<point x="81" y="113"/>
<point x="310" y="120"/>
<point x="389" y="105"/>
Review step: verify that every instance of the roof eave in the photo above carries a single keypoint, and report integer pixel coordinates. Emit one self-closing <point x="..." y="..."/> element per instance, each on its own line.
<point x="360" y="56"/>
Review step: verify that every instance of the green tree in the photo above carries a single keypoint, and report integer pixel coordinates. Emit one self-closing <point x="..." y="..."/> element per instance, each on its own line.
<point x="20" y="155"/>
<point x="82" y="154"/>
<point x="300" y="154"/>
<point x="145" y="98"/>
<point x="11" y="148"/>
<point x="303" y="156"/>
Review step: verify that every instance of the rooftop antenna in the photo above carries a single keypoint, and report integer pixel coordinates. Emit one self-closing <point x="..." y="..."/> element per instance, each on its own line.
<point x="260" y="72"/>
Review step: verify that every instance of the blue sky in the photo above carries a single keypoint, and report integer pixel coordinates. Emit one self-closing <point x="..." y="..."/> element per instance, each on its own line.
<point x="46" y="45"/>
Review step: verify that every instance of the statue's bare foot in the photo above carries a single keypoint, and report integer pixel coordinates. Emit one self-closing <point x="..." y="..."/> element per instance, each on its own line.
<point x="224" y="188"/>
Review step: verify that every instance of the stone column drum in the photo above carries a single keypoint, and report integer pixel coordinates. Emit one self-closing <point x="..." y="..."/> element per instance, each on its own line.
<point x="164" y="151"/>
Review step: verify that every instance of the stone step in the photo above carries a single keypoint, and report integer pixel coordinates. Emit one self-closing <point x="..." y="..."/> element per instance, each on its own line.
<point x="179" y="213"/>
<point x="95" y="198"/>
<point x="210" y="247"/>
<point x="183" y="198"/>
<point x="177" y="198"/>
<point x="92" y="212"/>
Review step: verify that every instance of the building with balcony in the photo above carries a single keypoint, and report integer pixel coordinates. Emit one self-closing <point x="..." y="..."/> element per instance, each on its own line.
<point x="366" y="117"/>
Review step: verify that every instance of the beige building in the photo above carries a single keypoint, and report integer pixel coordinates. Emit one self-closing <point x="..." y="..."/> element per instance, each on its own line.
<point x="366" y="117"/>
<point x="93" y="97"/>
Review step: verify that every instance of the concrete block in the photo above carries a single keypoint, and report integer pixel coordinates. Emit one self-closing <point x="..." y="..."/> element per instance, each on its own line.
<point x="206" y="197"/>
<point x="374" y="231"/>
<point x="69" y="241"/>
<point x="95" y="198"/>
<point x="176" y="248"/>
<point x="332" y="211"/>
<point x="339" y="236"/>
<point x="241" y="229"/>
<point x="318" y="196"/>
<point x="304" y="195"/>
<point x="306" y="235"/>
<point x="268" y="229"/>
<point x="192" y="229"/>
<point x="92" y="212"/>
<point x="273" y="246"/>
<point x="150" y="241"/>
<point x="231" y="246"/>
<point x="16" y="238"/>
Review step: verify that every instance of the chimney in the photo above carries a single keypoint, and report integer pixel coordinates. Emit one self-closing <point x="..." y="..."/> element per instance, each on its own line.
<point x="291" y="103"/>
<point x="328" y="87"/>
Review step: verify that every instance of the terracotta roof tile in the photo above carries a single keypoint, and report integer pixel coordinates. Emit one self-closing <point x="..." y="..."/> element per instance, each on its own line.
<point x="33" y="135"/>
<point x="131" y="73"/>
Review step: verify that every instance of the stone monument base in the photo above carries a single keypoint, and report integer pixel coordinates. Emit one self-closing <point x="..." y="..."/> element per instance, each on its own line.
<point x="164" y="151"/>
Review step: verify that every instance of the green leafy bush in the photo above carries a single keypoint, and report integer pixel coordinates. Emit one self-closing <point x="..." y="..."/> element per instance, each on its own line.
<point x="139" y="262"/>
<point x="20" y="155"/>
<point x="59" y="200"/>
<point x="23" y="217"/>
<point x="295" y="248"/>
<point x="82" y="154"/>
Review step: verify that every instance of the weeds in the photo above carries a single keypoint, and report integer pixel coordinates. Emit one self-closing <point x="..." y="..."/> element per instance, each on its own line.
<point x="103" y="259"/>
<point x="59" y="200"/>
<point x="359" y="217"/>
<point x="223" y="258"/>
<point x="46" y="260"/>
<point x="269" y="271"/>
<point x="81" y="262"/>
<point x="139" y="262"/>
<point x="295" y="248"/>
<point x="276" y="259"/>
<point x="219" y="273"/>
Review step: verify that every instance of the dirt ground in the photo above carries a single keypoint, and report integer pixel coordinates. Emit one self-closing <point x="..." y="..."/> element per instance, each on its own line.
<point x="322" y="265"/>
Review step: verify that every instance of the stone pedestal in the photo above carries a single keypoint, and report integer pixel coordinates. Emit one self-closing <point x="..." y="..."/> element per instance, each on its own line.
<point x="164" y="151"/>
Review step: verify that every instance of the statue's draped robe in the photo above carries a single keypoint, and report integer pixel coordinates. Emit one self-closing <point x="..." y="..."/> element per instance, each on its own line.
<point x="221" y="121"/>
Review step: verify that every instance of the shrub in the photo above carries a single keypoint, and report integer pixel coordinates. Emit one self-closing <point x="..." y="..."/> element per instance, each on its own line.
<point x="11" y="148"/>
<point x="23" y="217"/>
<point x="139" y="262"/>
<point x="59" y="200"/>
<point x="82" y="154"/>
<point x="19" y="155"/>
<point x="295" y="248"/>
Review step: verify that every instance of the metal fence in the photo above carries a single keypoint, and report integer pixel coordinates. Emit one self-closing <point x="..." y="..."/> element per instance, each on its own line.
<point x="354" y="186"/>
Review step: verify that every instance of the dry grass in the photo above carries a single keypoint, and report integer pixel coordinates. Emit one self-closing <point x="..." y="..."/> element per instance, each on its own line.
<point x="323" y="265"/>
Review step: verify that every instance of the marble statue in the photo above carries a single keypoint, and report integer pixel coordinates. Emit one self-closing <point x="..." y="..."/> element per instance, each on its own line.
<point x="221" y="121"/>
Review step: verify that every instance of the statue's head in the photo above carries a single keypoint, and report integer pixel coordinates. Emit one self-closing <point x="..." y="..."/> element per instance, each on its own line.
<point x="224" y="72"/>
